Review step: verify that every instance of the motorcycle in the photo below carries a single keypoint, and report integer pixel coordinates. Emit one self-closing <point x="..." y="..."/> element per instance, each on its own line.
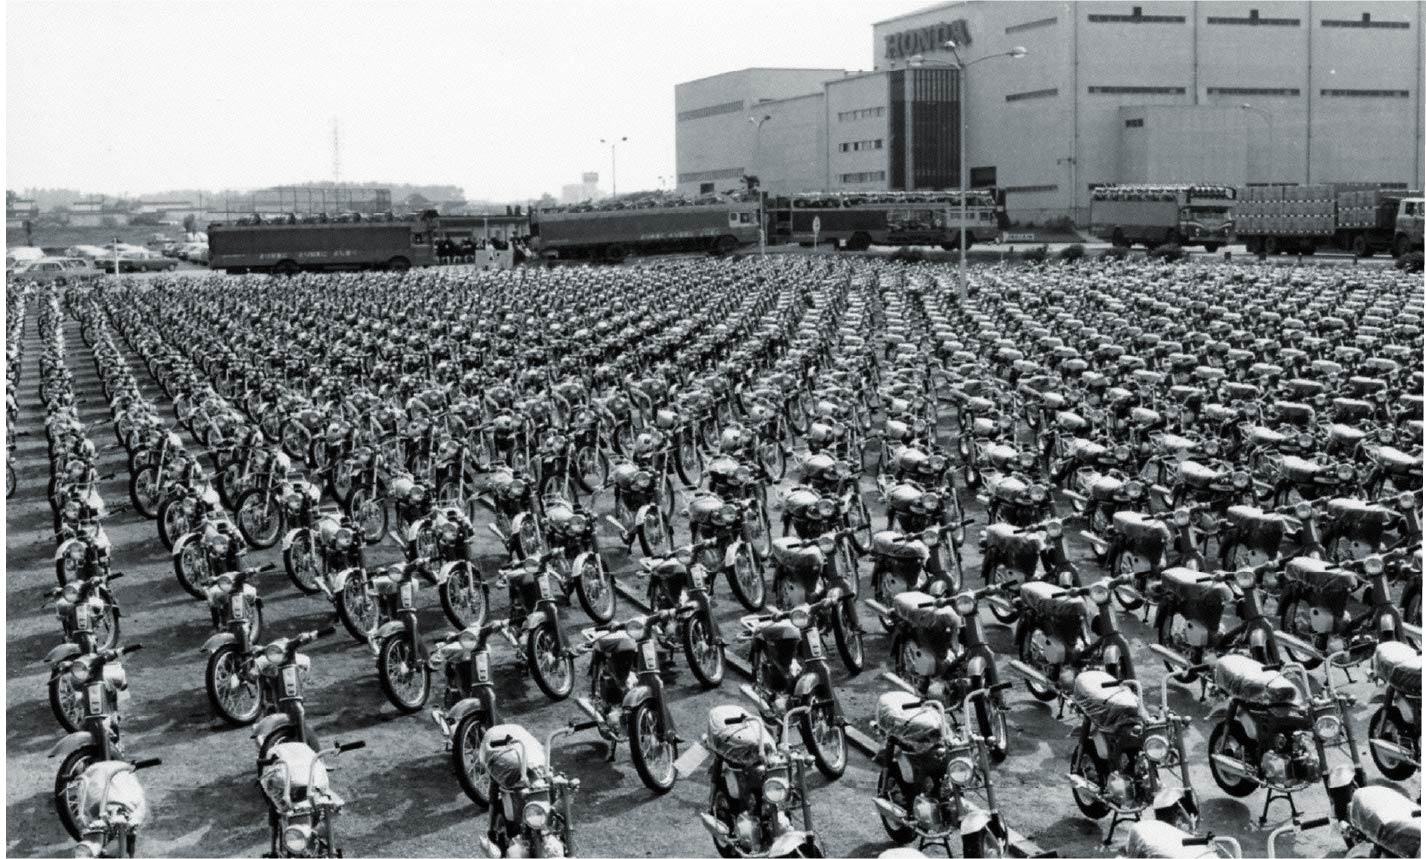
<point x="401" y="654"/>
<point x="535" y="624"/>
<point x="105" y="689"/>
<point x="282" y="675"/>
<point x="675" y="582"/>
<point x="1394" y="732"/>
<point x="229" y="674"/>
<point x="114" y="804"/>
<point x="469" y="708"/>
<point x="532" y="805"/>
<point x="302" y="807"/>
<point x="815" y="571"/>
<point x="725" y="534"/>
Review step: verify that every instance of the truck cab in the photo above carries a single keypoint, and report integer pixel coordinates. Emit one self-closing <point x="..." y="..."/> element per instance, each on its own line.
<point x="1409" y="221"/>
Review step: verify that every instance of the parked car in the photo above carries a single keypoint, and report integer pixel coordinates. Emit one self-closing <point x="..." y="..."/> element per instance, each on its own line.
<point x="54" y="268"/>
<point x="187" y="248"/>
<point x="137" y="261"/>
<point x="199" y="254"/>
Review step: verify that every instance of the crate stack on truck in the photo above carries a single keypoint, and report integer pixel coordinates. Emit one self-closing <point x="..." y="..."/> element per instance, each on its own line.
<point x="1362" y="219"/>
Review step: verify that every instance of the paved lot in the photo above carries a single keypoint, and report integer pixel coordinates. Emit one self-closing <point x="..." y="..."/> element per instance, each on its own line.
<point x="402" y="796"/>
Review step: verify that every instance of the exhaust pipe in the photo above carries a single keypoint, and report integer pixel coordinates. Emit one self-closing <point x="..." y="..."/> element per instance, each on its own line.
<point x="1080" y="783"/>
<point x="1238" y="768"/>
<point x="1170" y="656"/>
<point x="1392" y="750"/>
<point x="1031" y="674"/>
<point x="721" y="834"/>
<point x="891" y="813"/>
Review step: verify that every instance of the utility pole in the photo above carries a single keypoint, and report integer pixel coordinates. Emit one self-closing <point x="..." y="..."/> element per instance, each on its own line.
<point x="336" y="152"/>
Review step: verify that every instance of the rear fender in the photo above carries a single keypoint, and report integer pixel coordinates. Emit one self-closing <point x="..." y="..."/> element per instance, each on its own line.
<point x="71" y="743"/>
<point x="62" y="653"/>
<point x="217" y="640"/>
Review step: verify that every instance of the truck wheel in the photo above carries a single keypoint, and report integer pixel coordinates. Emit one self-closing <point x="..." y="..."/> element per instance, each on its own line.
<point x="1360" y="247"/>
<point x="398" y="264"/>
<point x="1211" y="247"/>
<point x="859" y="242"/>
<point x="1271" y="246"/>
<point x="1118" y="239"/>
<point x="1172" y="237"/>
<point x="286" y="268"/>
<point x="725" y="245"/>
<point x="1400" y="247"/>
<point x="615" y="253"/>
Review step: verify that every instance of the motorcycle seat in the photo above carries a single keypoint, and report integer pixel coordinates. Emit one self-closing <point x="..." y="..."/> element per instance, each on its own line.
<point x="982" y="427"/>
<point x="1102" y="487"/>
<point x="1084" y="449"/>
<point x="1144" y="417"/>
<point x="1266" y="436"/>
<point x="1052" y="400"/>
<point x="918" y="728"/>
<point x="1353" y="409"/>
<point x="1255" y="527"/>
<point x="779" y="631"/>
<point x="1175" y="443"/>
<point x="615" y="642"/>
<point x="904" y="496"/>
<point x="1297" y="469"/>
<point x="1197" y="591"/>
<point x="1070" y="422"/>
<point x="980" y="405"/>
<point x="1155" y="839"/>
<point x="1247" y="680"/>
<point x="738" y="737"/>
<point x="919" y="611"/>
<point x="790" y="553"/>
<point x="1399" y="462"/>
<point x="1207" y="374"/>
<point x="1137" y="526"/>
<point x="1366" y="385"/>
<point x="1357" y="519"/>
<point x="1044" y="599"/>
<point x="624" y="472"/>
<point x="293" y="770"/>
<point x="504" y="749"/>
<point x="1184" y="393"/>
<point x="1297" y="414"/>
<point x="1218" y="413"/>
<point x="892" y="544"/>
<point x="1387" y="819"/>
<point x="1399" y="666"/>
<point x="1007" y="488"/>
<point x="1108" y="708"/>
<point x="1020" y="550"/>
<point x="703" y="508"/>
<point x="1344" y="435"/>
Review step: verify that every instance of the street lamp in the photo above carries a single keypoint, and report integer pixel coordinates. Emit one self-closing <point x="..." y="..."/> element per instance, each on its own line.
<point x="1269" y="117"/>
<point x="758" y="121"/>
<point x="613" y="164"/>
<point x="1014" y="53"/>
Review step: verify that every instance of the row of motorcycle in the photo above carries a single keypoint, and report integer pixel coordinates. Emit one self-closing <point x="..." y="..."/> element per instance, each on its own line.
<point x="863" y="363"/>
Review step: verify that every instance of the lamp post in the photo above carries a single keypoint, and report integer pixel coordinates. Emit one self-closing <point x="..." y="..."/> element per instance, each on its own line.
<point x="758" y="121"/>
<point x="1269" y="117"/>
<point x="962" y="290"/>
<point x="613" y="163"/>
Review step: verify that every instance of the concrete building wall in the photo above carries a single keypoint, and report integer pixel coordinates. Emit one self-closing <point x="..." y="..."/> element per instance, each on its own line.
<point x="857" y="111"/>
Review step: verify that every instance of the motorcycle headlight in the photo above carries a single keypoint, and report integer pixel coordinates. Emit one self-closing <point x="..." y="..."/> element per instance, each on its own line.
<point x="961" y="770"/>
<point x="450" y="531"/>
<point x="827" y="544"/>
<point x="800" y="617"/>
<point x="274" y="653"/>
<point x="1156" y="748"/>
<point x="929" y="501"/>
<point x="965" y="604"/>
<point x="578" y="524"/>
<point x="535" y="815"/>
<point x="225" y="583"/>
<point x="1005" y="422"/>
<point x="1406" y="500"/>
<point x="1181" y="517"/>
<point x="930" y="536"/>
<point x="742" y="474"/>
<point x="643" y="480"/>
<point x="1134" y="489"/>
<point x="71" y="593"/>
<point x="293" y="500"/>
<point x="1241" y="480"/>
<point x="826" y="507"/>
<point x="1038" y="494"/>
<point x="1304" y="439"/>
<point x="1054" y="528"/>
<point x="1099" y="593"/>
<point x="190" y="506"/>
<point x="469" y="638"/>
<point x="1211" y="448"/>
<point x="1372" y="564"/>
<point x="295" y="838"/>
<point x="727" y="514"/>
<point x="418" y="492"/>
<point x="1245" y="579"/>
<point x="1345" y="472"/>
<point x="75" y="551"/>
<point x="684" y="555"/>
<point x="71" y="510"/>
<point x="1327" y="728"/>
<point x="1121" y="453"/>
<point x="1027" y="461"/>
<point x="775" y="790"/>
<point x="635" y="628"/>
<point x="79" y="670"/>
<point x="1302" y="510"/>
<point x="343" y="538"/>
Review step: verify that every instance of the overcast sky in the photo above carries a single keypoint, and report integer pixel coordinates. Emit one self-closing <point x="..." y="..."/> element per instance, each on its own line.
<point x="505" y="99"/>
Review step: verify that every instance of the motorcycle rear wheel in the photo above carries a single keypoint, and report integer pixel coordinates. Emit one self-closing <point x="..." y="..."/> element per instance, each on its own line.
<point x="1223" y="734"/>
<point x="1082" y="764"/>
<point x="748" y="579"/>
<point x="703" y="652"/>
<point x="225" y="664"/>
<point x="889" y="788"/>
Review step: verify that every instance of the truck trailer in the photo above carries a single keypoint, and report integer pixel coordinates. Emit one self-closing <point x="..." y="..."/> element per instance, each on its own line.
<point x="611" y="233"/>
<point x="287" y="248"/>
<point x="1163" y="215"/>
<point x="858" y="220"/>
<point x="1362" y="219"/>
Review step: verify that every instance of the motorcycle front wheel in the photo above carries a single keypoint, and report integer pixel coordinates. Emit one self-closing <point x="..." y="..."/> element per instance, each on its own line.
<point x="66" y="701"/>
<point x="703" y="652"/>
<point x="824" y="738"/>
<point x="66" y="790"/>
<point x="370" y="513"/>
<point x="299" y="559"/>
<point x="655" y="533"/>
<point x="232" y="694"/>
<point x="260" y="518"/>
<point x="554" y="674"/>
<point x="595" y="588"/>
<point x="190" y="567"/>
<point x="983" y="843"/>
<point x="653" y="758"/>
<point x="747" y="578"/>
<point x="465" y="759"/>
<point x="356" y="610"/>
<point x="463" y="600"/>
<point x="847" y="638"/>
<point x="403" y="675"/>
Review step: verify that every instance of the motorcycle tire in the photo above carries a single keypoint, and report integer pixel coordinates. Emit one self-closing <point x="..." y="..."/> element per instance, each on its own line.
<point x="398" y="655"/>
<point x="591" y="468"/>
<point x="66" y="569"/>
<point x="1007" y="616"/>
<point x="339" y="482"/>
<point x="465" y="758"/>
<point x="994" y="725"/>
<point x="858" y="517"/>
<point x="229" y="484"/>
<point x="688" y="461"/>
<point x="542" y="638"/>
<point x="226" y="660"/>
<point x="1221" y="734"/>
<point x="299" y="560"/>
<point x="644" y="722"/>
<point x="1386" y="725"/>
<point x="655" y="537"/>
<point x="1022" y="648"/>
<point x="830" y="761"/>
<point x="702" y="651"/>
<point x="463" y="600"/>
<point x="190" y="567"/>
<point x="362" y="506"/>
<point x="356" y="610"/>
<point x="264" y="508"/>
<point x="594" y="585"/>
<point x="1082" y="763"/>
<point x="848" y="640"/>
<point x="66" y="801"/>
<point x="62" y="688"/>
<point x="887" y="781"/>
<point x="171" y="525"/>
<point x="748" y="579"/>
<point x="975" y="845"/>
<point x="773" y="461"/>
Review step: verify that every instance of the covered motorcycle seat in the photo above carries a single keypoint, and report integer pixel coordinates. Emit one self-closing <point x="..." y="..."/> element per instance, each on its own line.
<point x="799" y="501"/>
<point x="723" y="466"/>
<point x="1358" y="519"/>
<point x="1298" y="469"/>
<point x="1255" y="527"/>
<point x="1144" y="417"/>
<point x="615" y="643"/>
<point x="1247" y="680"/>
<point x="1070" y="422"/>
<point x="704" y="507"/>
<point x="919" y="610"/>
<point x="112" y="782"/>
<point x="1347" y="408"/>
<point x="789" y="552"/>
<point x="624" y="472"/>
<point x="1399" y="666"/>
<point x="1175" y="443"/>
<point x="1319" y="575"/>
<point x="738" y="737"/>
<point x="1155" y="839"/>
<point x="1200" y="597"/>
<point x="511" y="754"/>
<point x="1218" y="413"/>
<point x="979" y="405"/>
<point x="1198" y="475"/>
<point x="1265" y="436"/>
<point x="1048" y="600"/>
<point x="294" y="770"/>
<point x="1019" y="551"/>
<point x="1103" y="487"/>
<point x="1084" y="449"/>
<point x="903" y="496"/>
<point x="908" y="720"/>
<point x="1342" y="434"/>
<point x="1399" y="462"/>
<point x="1144" y="534"/>
<point x="1109" y="708"/>
<point x="893" y="544"/>
<point x="1388" y="819"/>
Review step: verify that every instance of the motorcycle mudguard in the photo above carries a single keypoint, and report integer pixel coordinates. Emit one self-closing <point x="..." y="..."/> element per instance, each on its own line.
<point x="61" y="653"/>
<point x="391" y="627"/>
<point x="705" y="606"/>
<point x="806" y="684"/>
<point x="483" y="700"/>
<point x="290" y="536"/>
<point x="551" y="616"/>
<point x="217" y="640"/>
<point x="790" y="843"/>
<point x="339" y="582"/>
<point x="577" y="568"/>
<point x="71" y="743"/>
<point x="1249" y="726"/>
<point x="517" y="524"/>
<point x="447" y="570"/>
<point x="731" y="553"/>
<point x="974" y="822"/>
<point x="64" y="547"/>
<point x="1167" y="798"/>
<point x="267" y="724"/>
<point x="1340" y="776"/>
<point x="636" y="696"/>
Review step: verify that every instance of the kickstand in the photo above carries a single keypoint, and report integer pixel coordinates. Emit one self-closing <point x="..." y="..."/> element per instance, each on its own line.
<point x="944" y="842"/>
<point x="1274" y="796"/>
<point x="1114" y="824"/>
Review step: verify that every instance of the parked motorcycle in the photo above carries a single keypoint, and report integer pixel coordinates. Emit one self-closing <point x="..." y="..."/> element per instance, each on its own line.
<point x="302" y="807"/>
<point x="532" y="804"/>
<point x="113" y="803"/>
<point x="105" y="689"/>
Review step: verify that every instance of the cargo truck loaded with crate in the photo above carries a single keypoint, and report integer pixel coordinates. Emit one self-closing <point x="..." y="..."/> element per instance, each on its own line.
<point x="1153" y="215"/>
<point x="1302" y="219"/>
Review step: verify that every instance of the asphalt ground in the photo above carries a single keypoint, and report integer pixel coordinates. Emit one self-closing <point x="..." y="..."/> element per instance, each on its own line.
<point x="402" y="796"/>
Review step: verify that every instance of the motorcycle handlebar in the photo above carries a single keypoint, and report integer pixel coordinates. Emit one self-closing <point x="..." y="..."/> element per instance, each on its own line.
<point x="1314" y="823"/>
<point x="146" y="763"/>
<point x="343" y="748"/>
<point x="129" y="648"/>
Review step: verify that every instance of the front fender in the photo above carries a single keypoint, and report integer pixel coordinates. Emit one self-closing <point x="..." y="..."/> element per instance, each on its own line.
<point x="974" y="822"/>
<point x="391" y="627"/>
<point x="217" y="640"/>
<point x="62" y="653"/>
<point x="291" y="536"/>
<point x="71" y="743"/>
<point x="267" y="724"/>
<point x="466" y="706"/>
<point x="636" y="696"/>
<point x="793" y="844"/>
<point x="339" y="582"/>
<point x="448" y="569"/>
<point x="806" y="684"/>
<point x="730" y="556"/>
<point x="64" y="547"/>
<point x="181" y="542"/>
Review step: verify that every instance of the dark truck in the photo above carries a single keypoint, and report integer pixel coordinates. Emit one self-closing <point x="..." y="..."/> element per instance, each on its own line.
<point x="611" y="233"/>
<point x="857" y="220"/>
<point x="287" y="248"/>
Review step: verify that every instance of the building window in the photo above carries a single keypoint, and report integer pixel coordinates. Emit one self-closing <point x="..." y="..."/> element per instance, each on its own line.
<point x="1031" y="25"/>
<point x="715" y="110"/>
<point x="1137" y="90"/>
<point x="705" y="175"/>
<point x="1036" y="93"/>
<point x="1367" y="23"/>
<point x="1248" y="90"/>
<point x="862" y="113"/>
<point x="866" y="176"/>
<point x="705" y="187"/>
<point x="1137" y="16"/>
<point x="1031" y="189"/>
<point x="1368" y="93"/>
<point x="1254" y="21"/>
<point x="982" y="177"/>
<point x="1134" y="123"/>
<point x="861" y="145"/>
